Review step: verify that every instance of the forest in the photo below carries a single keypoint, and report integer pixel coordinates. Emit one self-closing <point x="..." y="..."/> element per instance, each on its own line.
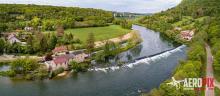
<point x="19" y="16"/>
<point x="201" y="16"/>
<point x="30" y="23"/>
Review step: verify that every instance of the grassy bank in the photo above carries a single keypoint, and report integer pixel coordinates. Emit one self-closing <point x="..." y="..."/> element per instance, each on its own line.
<point x="100" y="33"/>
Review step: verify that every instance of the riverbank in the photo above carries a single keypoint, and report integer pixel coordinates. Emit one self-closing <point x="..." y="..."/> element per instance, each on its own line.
<point x="117" y="39"/>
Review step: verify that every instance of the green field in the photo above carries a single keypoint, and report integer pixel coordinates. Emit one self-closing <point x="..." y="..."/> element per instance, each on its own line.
<point x="100" y="33"/>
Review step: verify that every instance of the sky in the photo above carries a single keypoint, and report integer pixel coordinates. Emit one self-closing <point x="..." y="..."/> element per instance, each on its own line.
<point x="135" y="6"/>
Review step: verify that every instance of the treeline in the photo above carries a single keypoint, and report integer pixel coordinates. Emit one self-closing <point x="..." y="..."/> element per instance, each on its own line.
<point x="124" y="23"/>
<point x="18" y="16"/>
<point x="214" y="35"/>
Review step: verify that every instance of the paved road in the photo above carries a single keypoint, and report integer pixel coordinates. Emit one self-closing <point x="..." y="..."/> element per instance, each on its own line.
<point x="209" y="69"/>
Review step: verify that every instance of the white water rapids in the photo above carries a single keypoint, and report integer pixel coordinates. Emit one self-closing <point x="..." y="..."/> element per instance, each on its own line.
<point x="142" y="61"/>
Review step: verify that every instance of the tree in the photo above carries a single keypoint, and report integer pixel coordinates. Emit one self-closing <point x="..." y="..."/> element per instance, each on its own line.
<point x="41" y="73"/>
<point x="29" y="47"/>
<point x="60" y="30"/>
<point x="52" y="42"/>
<point x="90" y="43"/>
<point x="43" y="44"/>
<point x="79" y="67"/>
<point x="3" y="27"/>
<point x="35" y="22"/>
<point x="2" y="45"/>
<point x="23" y="65"/>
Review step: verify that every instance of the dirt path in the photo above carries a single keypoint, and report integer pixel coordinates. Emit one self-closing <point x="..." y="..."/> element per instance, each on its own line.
<point x="209" y="69"/>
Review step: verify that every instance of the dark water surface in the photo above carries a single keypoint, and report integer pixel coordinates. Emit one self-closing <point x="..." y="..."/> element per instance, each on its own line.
<point x="145" y="75"/>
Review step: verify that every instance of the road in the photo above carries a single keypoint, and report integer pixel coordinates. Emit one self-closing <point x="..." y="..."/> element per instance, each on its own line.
<point x="209" y="69"/>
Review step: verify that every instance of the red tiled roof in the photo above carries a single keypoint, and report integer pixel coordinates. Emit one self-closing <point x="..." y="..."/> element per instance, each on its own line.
<point x="60" y="49"/>
<point x="61" y="59"/>
<point x="186" y="33"/>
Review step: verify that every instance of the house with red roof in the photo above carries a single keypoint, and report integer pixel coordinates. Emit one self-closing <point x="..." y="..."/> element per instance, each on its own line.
<point x="60" y="50"/>
<point x="58" y="62"/>
<point x="187" y="35"/>
<point x="63" y="61"/>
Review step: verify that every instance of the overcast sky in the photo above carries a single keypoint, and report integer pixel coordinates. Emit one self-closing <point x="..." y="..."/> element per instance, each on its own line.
<point x="137" y="6"/>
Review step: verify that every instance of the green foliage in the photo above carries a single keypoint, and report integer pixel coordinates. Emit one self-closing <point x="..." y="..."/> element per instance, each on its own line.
<point x="24" y="65"/>
<point x="189" y="69"/>
<point x="2" y="45"/>
<point x="111" y="49"/>
<point x="17" y="16"/>
<point x="79" y="67"/>
<point x="58" y="71"/>
<point x="41" y="73"/>
<point x="217" y="91"/>
<point x="127" y="24"/>
<point x="11" y="73"/>
<point x="90" y="43"/>
<point x="196" y="52"/>
<point x="217" y="65"/>
<point x="52" y="41"/>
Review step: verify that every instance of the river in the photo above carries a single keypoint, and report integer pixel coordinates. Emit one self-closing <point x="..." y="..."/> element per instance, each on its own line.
<point x="143" y="74"/>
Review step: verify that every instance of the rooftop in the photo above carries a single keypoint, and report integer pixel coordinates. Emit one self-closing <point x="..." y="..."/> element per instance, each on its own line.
<point x="61" y="59"/>
<point x="60" y="49"/>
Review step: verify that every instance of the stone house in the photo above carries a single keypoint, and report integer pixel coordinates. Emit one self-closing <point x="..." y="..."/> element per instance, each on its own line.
<point x="79" y="56"/>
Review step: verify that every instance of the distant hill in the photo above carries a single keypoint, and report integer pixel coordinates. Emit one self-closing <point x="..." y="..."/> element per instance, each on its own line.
<point x="129" y="15"/>
<point x="17" y="16"/>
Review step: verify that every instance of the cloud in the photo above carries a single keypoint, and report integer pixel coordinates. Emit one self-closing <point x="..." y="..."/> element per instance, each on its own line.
<point x="139" y="6"/>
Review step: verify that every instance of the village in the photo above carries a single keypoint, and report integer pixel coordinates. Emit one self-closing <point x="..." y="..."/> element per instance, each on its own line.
<point x="62" y="57"/>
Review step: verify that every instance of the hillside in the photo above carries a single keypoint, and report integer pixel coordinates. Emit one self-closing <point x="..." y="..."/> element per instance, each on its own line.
<point x="201" y="17"/>
<point x="18" y="16"/>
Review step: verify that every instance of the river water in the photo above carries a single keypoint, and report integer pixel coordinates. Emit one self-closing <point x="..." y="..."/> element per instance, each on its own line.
<point x="143" y="74"/>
